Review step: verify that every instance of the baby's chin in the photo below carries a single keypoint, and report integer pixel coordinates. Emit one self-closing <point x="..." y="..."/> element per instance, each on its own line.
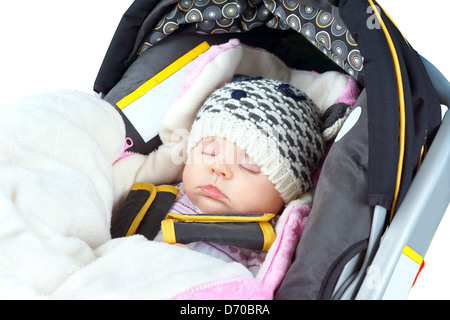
<point x="215" y="206"/>
<point x="211" y="206"/>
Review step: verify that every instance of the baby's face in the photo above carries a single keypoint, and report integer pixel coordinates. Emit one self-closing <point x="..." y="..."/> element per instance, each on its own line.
<point x="219" y="177"/>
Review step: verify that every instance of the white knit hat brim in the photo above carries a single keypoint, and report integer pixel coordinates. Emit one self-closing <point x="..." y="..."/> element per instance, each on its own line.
<point x="258" y="146"/>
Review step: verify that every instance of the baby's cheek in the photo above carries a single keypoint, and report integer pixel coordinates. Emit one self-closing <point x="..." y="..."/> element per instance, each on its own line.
<point x="247" y="201"/>
<point x="263" y="197"/>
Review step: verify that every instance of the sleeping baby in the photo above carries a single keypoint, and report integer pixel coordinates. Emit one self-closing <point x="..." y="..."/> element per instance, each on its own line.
<point x="253" y="147"/>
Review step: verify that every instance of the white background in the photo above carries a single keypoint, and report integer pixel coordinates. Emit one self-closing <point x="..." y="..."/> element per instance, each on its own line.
<point x="48" y="45"/>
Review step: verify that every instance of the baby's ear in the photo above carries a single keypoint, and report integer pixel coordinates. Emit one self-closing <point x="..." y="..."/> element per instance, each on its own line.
<point x="333" y="119"/>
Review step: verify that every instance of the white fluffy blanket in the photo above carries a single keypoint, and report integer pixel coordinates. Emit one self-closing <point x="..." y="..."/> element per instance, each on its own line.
<point x="56" y="196"/>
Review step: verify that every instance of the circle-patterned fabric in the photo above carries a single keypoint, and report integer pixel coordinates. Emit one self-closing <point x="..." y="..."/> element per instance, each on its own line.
<point x="229" y="16"/>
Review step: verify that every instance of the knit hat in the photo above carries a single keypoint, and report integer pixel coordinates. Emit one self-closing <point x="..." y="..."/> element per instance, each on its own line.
<point x="275" y="123"/>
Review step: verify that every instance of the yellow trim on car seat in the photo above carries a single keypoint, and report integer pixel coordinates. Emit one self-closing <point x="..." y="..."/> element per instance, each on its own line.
<point x="410" y="253"/>
<point x="137" y="220"/>
<point x="153" y="190"/>
<point x="167" y="188"/>
<point x="269" y="235"/>
<point x="401" y="99"/>
<point x="179" y="217"/>
<point x="423" y="151"/>
<point x="168" y="231"/>
<point x="163" y="75"/>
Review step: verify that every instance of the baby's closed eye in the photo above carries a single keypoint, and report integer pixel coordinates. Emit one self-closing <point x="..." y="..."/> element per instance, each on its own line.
<point x="250" y="168"/>
<point x="209" y="149"/>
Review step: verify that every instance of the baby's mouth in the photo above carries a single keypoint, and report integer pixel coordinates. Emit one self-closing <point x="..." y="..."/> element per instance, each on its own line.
<point x="212" y="192"/>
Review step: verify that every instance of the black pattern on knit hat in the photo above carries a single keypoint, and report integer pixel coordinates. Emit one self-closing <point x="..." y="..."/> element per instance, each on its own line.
<point x="275" y="123"/>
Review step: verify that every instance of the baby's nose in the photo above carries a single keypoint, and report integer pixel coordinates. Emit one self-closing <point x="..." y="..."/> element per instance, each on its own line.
<point x="221" y="169"/>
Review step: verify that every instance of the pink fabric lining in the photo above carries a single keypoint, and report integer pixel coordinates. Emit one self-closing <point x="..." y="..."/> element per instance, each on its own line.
<point x="125" y="153"/>
<point x="233" y="289"/>
<point x="350" y="93"/>
<point x="202" y="61"/>
<point x="279" y="257"/>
